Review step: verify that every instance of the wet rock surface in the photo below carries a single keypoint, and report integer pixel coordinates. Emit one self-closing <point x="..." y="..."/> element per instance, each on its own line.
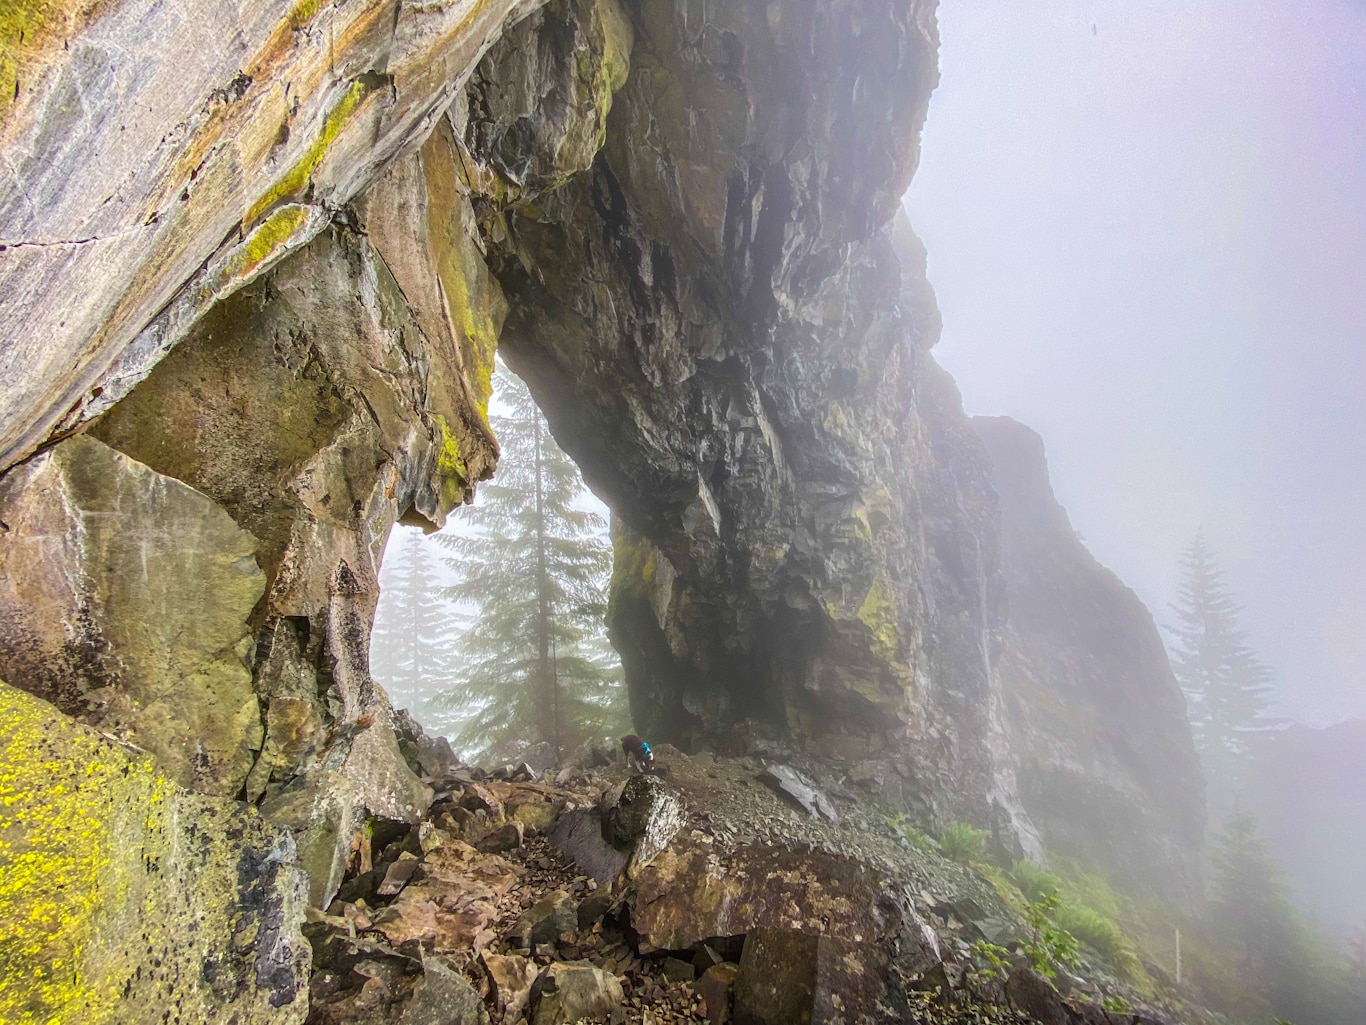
<point x="801" y="791"/>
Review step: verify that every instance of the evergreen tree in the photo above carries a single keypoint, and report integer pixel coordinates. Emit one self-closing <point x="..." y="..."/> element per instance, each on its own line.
<point x="535" y="664"/>
<point x="1275" y="956"/>
<point x="1225" y="683"/>
<point x="412" y="643"/>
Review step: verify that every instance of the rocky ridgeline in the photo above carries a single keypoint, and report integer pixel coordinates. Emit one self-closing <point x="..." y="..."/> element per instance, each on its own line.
<point x="719" y="890"/>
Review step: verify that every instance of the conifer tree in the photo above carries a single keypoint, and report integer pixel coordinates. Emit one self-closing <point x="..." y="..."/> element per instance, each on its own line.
<point x="412" y="644"/>
<point x="1251" y="909"/>
<point x="535" y="664"/>
<point x="1225" y="682"/>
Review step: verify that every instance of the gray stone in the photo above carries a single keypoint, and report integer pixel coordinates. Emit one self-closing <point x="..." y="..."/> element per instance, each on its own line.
<point x="507" y="837"/>
<point x="545" y="921"/>
<point x="443" y="997"/>
<point x="642" y="814"/>
<point x="795" y="978"/>
<point x="397" y="875"/>
<point x="566" y="993"/>
<point x="798" y="789"/>
<point x="677" y="970"/>
<point x="578" y="835"/>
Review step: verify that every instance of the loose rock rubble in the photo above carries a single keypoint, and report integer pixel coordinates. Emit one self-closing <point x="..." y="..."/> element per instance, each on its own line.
<point x="620" y="899"/>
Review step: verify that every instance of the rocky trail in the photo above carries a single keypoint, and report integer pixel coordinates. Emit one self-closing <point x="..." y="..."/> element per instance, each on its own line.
<point x="717" y="890"/>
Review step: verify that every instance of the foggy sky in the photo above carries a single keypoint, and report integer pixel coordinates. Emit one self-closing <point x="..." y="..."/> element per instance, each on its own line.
<point x="1149" y="244"/>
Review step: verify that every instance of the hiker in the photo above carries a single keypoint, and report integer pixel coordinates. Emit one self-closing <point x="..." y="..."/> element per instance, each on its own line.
<point x="638" y="753"/>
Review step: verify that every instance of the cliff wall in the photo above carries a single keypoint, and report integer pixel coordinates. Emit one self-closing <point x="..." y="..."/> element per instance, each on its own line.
<point x="1105" y="761"/>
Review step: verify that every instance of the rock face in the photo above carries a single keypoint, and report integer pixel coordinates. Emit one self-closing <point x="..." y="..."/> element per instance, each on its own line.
<point x="1097" y="724"/>
<point x="722" y="332"/>
<point x="120" y="886"/>
<point x="125" y="597"/>
<point x="138" y="192"/>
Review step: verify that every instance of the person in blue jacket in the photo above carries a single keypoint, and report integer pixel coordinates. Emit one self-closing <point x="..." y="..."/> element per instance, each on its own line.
<point x="638" y="753"/>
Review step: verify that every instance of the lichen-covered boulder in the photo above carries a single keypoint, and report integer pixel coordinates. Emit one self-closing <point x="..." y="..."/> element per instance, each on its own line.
<point x="641" y="815"/>
<point x="125" y="899"/>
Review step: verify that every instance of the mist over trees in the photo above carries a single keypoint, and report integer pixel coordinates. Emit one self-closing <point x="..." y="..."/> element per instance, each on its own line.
<point x="416" y="634"/>
<point x="501" y="643"/>
<point x="1225" y="682"/>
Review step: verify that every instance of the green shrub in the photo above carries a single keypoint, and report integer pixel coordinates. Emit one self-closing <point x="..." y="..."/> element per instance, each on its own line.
<point x="1115" y="1005"/>
<point x="1034" y="881"/>
<point x="1049" y="946"/>
<point x="1101" y="934"/>
<point x="915" y="837"/>
<point x="990" y="960"/>
<point x="962" y="842"/>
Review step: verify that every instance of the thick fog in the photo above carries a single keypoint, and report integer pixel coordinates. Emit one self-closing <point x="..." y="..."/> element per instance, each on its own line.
<point x="1146" y="226"/>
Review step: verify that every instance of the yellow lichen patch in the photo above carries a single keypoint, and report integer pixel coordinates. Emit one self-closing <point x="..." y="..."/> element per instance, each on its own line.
<point x="479" y="333"/>
<point x="119" y="889"/>
<point x="878" y="614"/>
<point x="634" y="563"/>
<point x="292" y="183"/>
<point x="450" y="466"/>
<point x="61" y="802"/>
<point x="474" y="303"/>
<point x="267" y="240"/>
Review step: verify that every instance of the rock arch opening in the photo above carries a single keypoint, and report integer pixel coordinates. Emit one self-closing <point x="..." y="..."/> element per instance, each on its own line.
<point x="493" y="631"/>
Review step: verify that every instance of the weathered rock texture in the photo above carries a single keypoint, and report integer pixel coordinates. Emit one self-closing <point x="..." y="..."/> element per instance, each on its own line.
<point x="1097" y="723"/>
<point x="261" y="255"/>
<point x="124" y="600"/>
<point x="158" y="158"/>
<point x="719" y="327"/>
<point x="120" y="888"/>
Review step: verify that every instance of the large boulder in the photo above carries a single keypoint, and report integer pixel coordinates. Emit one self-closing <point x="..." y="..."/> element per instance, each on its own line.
<point x="642" y="814"/>
<point x="578" y="835"/>
<point x="118" y="885"/>
<point x="692" y="892"/>
<point x="800" y="978"/>
<point x="125" y="600"/>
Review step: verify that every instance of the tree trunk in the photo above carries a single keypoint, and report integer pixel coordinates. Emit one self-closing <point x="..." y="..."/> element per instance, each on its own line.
<point x="550" y="696"/>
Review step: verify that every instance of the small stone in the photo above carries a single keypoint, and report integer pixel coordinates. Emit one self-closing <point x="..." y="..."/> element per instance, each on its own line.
<point x="676" y="970"/>
<point x="510" y="978"/>
<point x="507" y="837"/>
<point x="567" y="993"/>
<point x="398" y="875"/>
